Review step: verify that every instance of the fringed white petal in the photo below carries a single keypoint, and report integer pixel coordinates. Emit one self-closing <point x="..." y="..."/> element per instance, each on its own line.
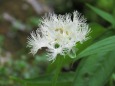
<point x="59" y="29"/>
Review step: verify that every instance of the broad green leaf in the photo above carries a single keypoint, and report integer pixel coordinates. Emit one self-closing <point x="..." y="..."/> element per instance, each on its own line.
<point x="95" y="70"/>
<point x="105" y="45"/>
<point x="103" y="14"/>
<point x="64" y="79"/>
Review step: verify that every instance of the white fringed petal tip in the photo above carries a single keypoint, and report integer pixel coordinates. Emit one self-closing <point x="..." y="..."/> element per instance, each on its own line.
<point x="59" y="33"/>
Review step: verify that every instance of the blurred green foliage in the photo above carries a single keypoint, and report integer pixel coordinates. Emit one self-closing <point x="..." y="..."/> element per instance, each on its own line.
<point x="94" y="59"/>
<point x="1" y="40"/>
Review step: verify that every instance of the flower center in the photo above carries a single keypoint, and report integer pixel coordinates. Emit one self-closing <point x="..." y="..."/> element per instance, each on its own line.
<point x="59" y="30"/>
<point x="62" y="31"/>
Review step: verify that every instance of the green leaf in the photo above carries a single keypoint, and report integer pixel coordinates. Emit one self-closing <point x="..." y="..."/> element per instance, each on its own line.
<point x="95" y="70"/>
<point x="105" y="45"/>
<point x="64" y="79"/>
<point x="103" y="14"/>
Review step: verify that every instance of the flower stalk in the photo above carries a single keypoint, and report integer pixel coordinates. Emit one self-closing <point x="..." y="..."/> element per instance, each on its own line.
<point x="58" y="70"/>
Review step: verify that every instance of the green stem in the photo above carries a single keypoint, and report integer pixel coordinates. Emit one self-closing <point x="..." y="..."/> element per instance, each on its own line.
<point x="59" y="65"/>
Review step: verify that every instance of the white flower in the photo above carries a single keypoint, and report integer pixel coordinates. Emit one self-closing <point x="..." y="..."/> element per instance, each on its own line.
<point x="59" y="33"/>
